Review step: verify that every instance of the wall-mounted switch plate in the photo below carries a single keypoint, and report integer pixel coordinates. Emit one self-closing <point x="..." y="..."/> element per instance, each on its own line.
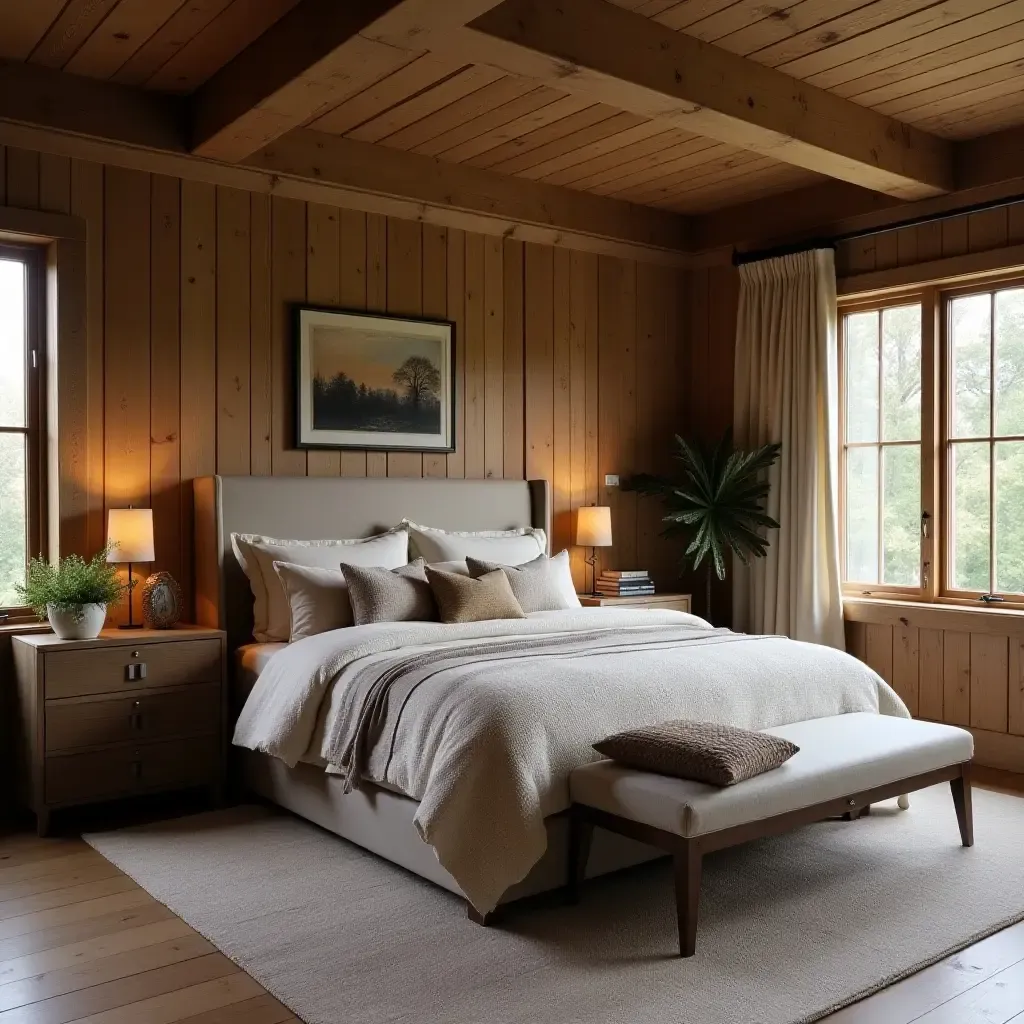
<point x="611" y="480"/>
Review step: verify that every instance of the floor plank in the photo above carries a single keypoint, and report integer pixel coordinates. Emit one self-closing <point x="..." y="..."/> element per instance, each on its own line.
<point x="66" y="896"/>
<point x="75" y="912"/>
<point x="57" y="880"/>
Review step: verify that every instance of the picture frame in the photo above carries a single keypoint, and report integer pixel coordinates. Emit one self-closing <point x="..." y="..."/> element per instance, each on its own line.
<point x="373" y="381"/>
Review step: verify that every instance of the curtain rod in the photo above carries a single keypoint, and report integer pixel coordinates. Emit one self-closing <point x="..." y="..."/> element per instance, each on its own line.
<point x="755" y="255"/>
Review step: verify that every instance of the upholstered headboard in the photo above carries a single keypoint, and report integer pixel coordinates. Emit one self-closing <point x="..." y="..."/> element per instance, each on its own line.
<point x="313" y="508"/>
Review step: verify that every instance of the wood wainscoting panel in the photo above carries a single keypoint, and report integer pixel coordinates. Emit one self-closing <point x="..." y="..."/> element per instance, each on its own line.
<point x="189" y="349"/>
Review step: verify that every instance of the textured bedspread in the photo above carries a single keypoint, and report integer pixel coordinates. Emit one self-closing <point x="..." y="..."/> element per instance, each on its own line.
<point x="483" y="722"/>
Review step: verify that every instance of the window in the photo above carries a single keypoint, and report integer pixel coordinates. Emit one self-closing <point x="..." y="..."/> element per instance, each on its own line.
<point x="932" y="455"/>
<point x="21" y="485"/>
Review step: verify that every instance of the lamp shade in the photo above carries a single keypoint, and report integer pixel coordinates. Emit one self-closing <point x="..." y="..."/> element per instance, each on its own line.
<point x="130" y="532"/>
<point x="594" y="526"/>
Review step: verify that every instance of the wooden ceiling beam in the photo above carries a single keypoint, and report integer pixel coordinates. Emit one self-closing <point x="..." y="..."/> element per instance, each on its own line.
<point x="597" y="49"/>
<point x="317" y="55"/>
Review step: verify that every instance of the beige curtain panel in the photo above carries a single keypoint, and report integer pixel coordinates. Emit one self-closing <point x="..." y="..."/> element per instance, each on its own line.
<point x="787" y="391"/>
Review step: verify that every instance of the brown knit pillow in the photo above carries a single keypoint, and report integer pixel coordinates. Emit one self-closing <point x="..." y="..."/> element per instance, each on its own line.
<point x="721" y="755"/>
<point x="390" y="595"/>
<point x="464" y="599"/>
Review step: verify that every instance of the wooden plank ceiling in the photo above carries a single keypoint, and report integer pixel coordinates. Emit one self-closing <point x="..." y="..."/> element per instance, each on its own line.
<point x="953" y="68"/>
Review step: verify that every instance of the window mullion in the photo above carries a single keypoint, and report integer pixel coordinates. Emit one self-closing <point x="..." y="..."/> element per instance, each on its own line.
<point x="878" y="453"/>
<point x="931" y="444"/>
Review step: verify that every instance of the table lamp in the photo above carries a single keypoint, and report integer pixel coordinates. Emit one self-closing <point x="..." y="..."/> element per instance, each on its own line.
<point x="130" y="534"/>
<point x="594" y="530"/>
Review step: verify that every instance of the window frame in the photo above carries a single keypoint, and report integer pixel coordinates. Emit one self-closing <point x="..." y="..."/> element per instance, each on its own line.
<point x="34" y="256"/>
<point x="854" y="588"/>
<point x="936" y="440"/>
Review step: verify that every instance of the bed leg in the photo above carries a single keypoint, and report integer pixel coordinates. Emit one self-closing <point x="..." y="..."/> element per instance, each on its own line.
<point x="688" y="863"/>
<point x="581" y="832"/>
<point x="903" y="803"/>
<point x="476" y="917"/>
<point x="961" y="789"/>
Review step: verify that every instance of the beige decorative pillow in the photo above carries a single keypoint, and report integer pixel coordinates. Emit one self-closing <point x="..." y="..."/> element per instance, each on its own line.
<point x="464" y="599"/>
<point x="721" y="755"/>
<point x="541" y="585"/>
<point x="509" y="547"/>
<point x="257" y="554"/>
<point x="318" y="599"/>
<point x="390" y="595"/>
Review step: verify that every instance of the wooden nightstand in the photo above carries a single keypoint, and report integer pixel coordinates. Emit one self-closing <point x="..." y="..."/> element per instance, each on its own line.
<point x="676" y="602"/>
<point x="130" y="712"/>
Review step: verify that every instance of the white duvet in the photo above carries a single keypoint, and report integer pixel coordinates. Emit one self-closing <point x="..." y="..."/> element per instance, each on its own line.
<point x="487" y="749"/>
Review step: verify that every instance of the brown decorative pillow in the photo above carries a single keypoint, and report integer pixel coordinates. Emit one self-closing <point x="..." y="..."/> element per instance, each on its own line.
<point x="389" y="595"/>
<point x="464" y="599"/>
<point x="721" y="755"/>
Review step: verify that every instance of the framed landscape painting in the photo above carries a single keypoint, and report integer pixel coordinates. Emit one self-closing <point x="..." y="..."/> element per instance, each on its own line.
<point x="365" y="380"/>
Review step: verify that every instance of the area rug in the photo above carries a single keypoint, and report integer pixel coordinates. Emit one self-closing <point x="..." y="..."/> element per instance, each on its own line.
<point x="791" y="928"/>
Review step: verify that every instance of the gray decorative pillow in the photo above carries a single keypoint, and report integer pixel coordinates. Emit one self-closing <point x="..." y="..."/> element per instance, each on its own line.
<point x="464" y="599"/>
<point x="541" y="585"/>
<point x="390" y="595"/>
<point x="721" y="755"/>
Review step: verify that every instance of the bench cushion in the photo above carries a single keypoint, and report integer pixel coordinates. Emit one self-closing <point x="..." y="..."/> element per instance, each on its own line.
<point x="838" y="756"/>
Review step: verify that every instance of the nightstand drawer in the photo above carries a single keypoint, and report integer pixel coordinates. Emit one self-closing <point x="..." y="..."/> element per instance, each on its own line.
<point x="175" y="764"/>
<point x="144" y="716"/>
<point x="111" y="668"/>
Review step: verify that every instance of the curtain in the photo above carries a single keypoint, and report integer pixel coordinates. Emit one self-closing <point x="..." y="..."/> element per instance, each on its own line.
<point x="787" y="391"/>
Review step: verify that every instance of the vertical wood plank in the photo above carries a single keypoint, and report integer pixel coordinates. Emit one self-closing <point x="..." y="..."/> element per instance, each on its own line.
<point x="930" y="661"/>
<point x="475" y="357"/>
<point x="561" y="478"/>
<point x="457" y="314"/>
<point x="1015" y="679"/>
<point x="625" y="331"/>
<point x="233" y="325"/>
<point x="878" y="649"/>
<point x="956" y="677"/>
<point x="198" y="449"/>
<point x="165" y="376"/>
<point x="539" y="362"/>
<point x="886" y="250"/>
<point x="577" y="411"/>
<point x="288" y="276"/>
<point x="989" y="678"/>
<point x="954" y="236"/>
<point x="54" y="183"/>
<point x="435" y="305"/>
<point x="376" y="299"/>
<point x="87" y="200"/>
<point x="494" y="359"/>
<point x="260" y="345"/>
<point x="512" y="393"/>
<point x="987" y="229"/>
<point x="906" y="246"/>
<point x="929" y="241"/>
<point x="405" y="297"/>
<point x="23" y="178"/>
<point x="589" y="283"/>
<point x="611" y="288"/>
<point x="906" y="666"/>
<point x="3" y="175"/>
<point x="126" y="428"/>
<point x="352" y="286"/>
<point x="323" y="285"/>
<point x="856" y="640"/>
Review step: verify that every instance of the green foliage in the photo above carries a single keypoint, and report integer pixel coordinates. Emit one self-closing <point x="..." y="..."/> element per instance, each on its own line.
<point x="70" y="584"/>
<point x="719" y="505"/>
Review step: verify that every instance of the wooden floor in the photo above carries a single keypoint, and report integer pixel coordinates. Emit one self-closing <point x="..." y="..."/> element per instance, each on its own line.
<point x="80" y="941"/>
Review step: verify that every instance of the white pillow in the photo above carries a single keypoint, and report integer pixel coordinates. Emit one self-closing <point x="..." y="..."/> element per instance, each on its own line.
<point x="318" y="599"/>
<point x="510" y="547"/>
<point x="541" y="585"/>
<point x="257" y="554"/>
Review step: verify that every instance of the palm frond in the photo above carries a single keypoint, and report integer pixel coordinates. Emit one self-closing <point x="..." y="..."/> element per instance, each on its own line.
<point x="717" y="504"/>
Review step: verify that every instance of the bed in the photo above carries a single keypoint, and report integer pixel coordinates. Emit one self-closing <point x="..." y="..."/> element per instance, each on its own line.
<point x="381" y="815"/>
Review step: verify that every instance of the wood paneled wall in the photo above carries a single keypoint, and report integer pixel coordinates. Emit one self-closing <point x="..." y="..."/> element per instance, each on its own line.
<point x="569" y="365"/>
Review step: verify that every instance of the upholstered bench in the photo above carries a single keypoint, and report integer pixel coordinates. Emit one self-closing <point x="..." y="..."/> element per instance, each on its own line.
<point x="845" y="763"/>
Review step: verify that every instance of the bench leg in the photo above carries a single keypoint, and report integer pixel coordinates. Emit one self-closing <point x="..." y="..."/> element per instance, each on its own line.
<point x="961" y="789"/>
<point x="580" y="834"/>
<point x="687" y="871"/>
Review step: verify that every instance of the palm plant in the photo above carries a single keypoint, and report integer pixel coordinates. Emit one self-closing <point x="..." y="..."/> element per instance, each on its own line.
<point x="718" y="505"/>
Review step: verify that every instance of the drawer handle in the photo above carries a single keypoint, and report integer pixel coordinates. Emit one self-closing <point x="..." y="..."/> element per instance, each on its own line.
<point x="136" y="769"/>
<point x="136" y="720"/>
<point x="135" y="672"/>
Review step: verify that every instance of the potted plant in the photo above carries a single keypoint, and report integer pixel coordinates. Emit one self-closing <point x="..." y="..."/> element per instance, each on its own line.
<point x="718" y="505"/>
<point x="73" y="594"/>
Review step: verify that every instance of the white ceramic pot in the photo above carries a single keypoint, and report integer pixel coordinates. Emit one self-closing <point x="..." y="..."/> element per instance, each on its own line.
<point x="85" y="626"/>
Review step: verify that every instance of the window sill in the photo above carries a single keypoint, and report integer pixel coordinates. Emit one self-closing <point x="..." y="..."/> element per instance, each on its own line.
<point x="966" y="617"/>
<point x="16" y="628"/>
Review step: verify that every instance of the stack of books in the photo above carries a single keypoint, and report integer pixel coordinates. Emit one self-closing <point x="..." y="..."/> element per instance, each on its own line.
<point x="624" y="583"/>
